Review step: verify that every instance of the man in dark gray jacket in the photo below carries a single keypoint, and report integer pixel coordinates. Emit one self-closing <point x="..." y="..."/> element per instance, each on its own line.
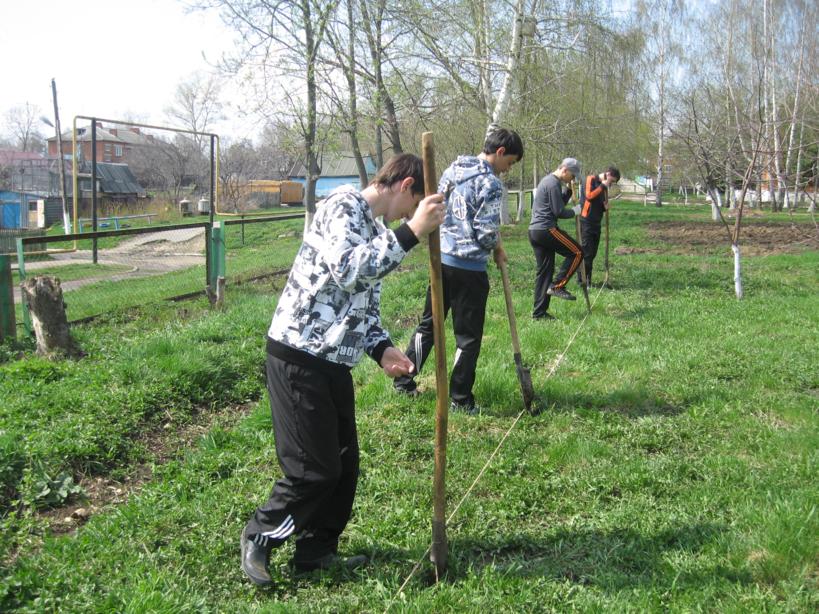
<point x="547" y="239"/>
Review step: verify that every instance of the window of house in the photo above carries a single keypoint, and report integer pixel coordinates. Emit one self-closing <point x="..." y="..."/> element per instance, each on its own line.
<point x="118" y="151"/>
<point x="108" y="147"/>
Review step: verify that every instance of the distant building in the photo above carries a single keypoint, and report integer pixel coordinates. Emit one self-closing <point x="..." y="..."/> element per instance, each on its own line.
<point x="336" y="169"/>
<point x="15" y="207"/>
<point x="114" y="181"/>
<point x="113" y="144"/>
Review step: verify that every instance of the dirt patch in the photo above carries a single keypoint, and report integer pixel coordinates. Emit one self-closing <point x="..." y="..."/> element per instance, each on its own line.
<point x="756" y="238"/>
<point x="163" y="444"/>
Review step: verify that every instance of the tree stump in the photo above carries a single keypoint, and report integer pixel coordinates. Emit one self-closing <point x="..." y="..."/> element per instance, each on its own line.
<point x="44" y="297"/>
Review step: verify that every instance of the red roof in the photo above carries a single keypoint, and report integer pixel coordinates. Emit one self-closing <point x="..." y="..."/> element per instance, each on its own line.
<point x="7" y="156"/>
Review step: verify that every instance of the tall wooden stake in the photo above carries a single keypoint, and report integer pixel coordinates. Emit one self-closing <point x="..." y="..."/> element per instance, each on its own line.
<point x="606" y="261"/>
<point x="583" y="277"/>
<point x="440" y="549"/>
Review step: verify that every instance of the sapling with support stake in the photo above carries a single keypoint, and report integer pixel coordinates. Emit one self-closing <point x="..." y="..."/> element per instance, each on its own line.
<point x="439" y="551"/>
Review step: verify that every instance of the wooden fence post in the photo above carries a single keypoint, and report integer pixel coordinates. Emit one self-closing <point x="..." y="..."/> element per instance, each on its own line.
<point x="8" y="323"/>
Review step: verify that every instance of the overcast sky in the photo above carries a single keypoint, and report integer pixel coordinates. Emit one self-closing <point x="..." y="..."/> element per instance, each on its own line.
<point x="111" y="58"/>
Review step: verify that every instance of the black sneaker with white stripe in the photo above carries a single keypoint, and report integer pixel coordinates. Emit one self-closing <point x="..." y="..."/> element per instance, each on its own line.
<point x="255" y="559"/>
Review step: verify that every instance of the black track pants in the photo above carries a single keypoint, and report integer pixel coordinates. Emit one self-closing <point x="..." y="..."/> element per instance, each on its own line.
<point x="317" y="447"/>
<point x="590" y="240"/>
<point x="545" y="244"/>
<point x="465" y="292"/>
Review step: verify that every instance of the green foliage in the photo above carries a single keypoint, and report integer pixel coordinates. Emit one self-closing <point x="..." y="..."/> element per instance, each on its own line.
<point x="38" y="489"/>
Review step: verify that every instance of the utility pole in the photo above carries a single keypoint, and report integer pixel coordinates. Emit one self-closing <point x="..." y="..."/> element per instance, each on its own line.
<point x="66" y="217"/>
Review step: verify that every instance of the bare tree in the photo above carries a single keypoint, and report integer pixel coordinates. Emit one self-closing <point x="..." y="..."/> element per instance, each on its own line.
<point x="342" y="41"/>
<point x="280" y="43"/>
<point x="238" y="163"/>
<point x="197" y="105"/>
<point x="22" y="122"/>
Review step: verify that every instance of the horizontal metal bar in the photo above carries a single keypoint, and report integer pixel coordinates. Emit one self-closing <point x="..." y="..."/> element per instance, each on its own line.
<point x="102" y="234"/>
<point x="268" y="218"/>
<point x="122" y="122"/>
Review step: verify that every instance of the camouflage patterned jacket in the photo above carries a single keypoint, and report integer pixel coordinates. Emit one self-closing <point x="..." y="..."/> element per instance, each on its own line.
<point x="471" y="228"/>
<point x="329" y="307"/>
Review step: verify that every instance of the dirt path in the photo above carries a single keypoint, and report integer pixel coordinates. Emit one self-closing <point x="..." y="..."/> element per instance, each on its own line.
<point x="148" y="255"/>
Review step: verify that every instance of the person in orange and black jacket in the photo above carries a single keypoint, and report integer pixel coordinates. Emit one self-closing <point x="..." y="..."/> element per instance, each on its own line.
<point x="594" y="201"/>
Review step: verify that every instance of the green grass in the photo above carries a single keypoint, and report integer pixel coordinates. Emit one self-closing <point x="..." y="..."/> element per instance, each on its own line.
<point x="70" y="272"/>
<point x="673" y="468"/>
<point x="262" y="251"/>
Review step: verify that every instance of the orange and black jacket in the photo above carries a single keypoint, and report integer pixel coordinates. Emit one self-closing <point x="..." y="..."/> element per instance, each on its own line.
<point x="593" y="199"/>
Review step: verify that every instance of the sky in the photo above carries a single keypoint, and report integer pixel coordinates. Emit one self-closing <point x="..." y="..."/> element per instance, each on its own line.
<point x="110" y="58"/>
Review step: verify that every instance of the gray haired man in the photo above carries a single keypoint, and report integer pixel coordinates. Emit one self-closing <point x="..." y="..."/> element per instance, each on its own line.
<point x="547" y="239"/>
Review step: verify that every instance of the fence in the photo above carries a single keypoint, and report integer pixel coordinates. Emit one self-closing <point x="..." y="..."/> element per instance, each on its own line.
<point x="135" y="266"/>
<point x="9" y="236"/>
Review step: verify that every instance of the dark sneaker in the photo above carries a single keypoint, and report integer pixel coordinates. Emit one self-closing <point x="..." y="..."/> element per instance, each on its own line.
<point x="331" y="561"/>
<point x="471" y="409"/>
<point x="407" y="392"/>
<point x="255" y="561"/>
<point x="544" y="316"/>
<point x="561" y="293"/>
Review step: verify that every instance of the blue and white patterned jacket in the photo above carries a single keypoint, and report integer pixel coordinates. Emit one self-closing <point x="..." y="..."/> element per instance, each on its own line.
<point x="330" y="306"/>
<point x="471" y="228"/>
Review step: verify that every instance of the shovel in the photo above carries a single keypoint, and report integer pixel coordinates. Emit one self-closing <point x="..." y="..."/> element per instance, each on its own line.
<point x="524" y="376"/>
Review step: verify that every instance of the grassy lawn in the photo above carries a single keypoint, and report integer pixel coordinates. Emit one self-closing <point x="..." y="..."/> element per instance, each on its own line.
<point x="70" y="272"/>
<point x="673" y="467"/>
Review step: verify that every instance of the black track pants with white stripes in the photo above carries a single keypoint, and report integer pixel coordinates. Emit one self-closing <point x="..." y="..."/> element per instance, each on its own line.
<point x="317" y="447"/>
<point x="466" y="293"/>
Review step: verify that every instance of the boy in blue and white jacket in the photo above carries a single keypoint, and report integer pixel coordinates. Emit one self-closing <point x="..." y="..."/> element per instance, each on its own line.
<point x="471" y="230"/>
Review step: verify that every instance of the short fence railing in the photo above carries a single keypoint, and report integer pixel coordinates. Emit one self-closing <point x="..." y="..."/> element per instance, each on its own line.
<point x="111" y="270"/>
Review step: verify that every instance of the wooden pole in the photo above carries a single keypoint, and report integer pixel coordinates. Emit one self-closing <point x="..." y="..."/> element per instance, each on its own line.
<point x="606" y="261"/>
<point x="66" y="217"/>
<point x="583" y="277"/>
<point x="439" y="550"/>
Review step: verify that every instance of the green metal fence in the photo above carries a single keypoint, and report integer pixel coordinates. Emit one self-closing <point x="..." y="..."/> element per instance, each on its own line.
<point x="135" y="266"/>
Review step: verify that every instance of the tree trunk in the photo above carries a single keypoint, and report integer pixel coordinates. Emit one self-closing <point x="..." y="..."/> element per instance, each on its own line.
<point x="794" y="116"/>
<point x="312" y="170"/>
<point x="44" y="297"/>
<point x="716" y="203"/>
<point x="384" y="101"/>
<point x="504" y="97"/>
<point x="351" y="85"/>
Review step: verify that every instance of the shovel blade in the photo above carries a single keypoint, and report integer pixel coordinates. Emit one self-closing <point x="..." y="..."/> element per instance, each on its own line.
<point x="525" y="380"/>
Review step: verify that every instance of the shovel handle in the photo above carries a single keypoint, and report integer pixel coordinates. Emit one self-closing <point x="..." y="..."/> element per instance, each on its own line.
<point x="510" y="308"/>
